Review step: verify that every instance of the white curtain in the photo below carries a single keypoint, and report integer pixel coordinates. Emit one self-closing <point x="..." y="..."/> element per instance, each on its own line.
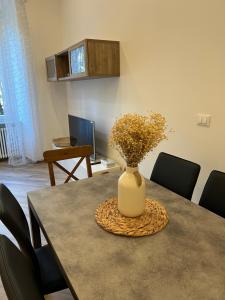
<point x="18" y="86"/>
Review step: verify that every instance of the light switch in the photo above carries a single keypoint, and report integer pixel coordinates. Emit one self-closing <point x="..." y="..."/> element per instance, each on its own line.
<point x="204" y="120"/>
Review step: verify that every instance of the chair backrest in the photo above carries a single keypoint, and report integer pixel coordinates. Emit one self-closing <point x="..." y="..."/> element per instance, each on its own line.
<point x="53" y="156"/>
<point x="13" y="217"/>
<point x="17" y="273"/>
<point x="213" y="195"/>
<point x="176" y="174"/>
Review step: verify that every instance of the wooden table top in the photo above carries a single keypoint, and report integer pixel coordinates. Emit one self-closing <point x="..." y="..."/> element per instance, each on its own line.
<point x="186" y="260"/>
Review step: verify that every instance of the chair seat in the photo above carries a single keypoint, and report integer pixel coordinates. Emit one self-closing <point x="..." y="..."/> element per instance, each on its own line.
<point x="51" y="276"/>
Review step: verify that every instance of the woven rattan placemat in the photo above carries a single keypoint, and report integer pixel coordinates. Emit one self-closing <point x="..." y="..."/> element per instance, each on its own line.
<point x="151" y="221"/>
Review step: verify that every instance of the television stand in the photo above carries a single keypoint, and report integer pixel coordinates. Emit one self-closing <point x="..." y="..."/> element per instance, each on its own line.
<point x="96" y="165"/>
<point x="97" y="160"/>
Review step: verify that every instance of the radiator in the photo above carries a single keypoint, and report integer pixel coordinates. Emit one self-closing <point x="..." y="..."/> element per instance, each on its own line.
<point x="3" y="148"/>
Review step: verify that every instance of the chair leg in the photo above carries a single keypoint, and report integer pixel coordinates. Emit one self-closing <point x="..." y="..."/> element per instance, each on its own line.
<point x="88" y="164"/>
<point x="51" y="173"/>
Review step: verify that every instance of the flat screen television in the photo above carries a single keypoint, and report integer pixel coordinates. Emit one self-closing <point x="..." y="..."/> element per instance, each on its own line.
<point x="82" y="132"/>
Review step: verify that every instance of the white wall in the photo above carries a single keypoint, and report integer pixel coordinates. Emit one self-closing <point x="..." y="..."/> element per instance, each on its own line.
<point x="172" y="61"/>
<point x="45" y="26"/>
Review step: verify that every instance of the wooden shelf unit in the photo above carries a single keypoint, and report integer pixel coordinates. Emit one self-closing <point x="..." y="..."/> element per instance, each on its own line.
<point x="85" y="60"/>
<point x="62" y="65"/>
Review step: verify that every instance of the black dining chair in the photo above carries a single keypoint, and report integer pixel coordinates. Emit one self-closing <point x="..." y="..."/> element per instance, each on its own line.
<point x="176" y="174"/>
<point x="47" y="270"/>
<point x="17" y="273"/>
<point x="213" y="195"/>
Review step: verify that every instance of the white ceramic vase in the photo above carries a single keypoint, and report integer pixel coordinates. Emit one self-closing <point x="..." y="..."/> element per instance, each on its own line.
<point x="131" y="193"/>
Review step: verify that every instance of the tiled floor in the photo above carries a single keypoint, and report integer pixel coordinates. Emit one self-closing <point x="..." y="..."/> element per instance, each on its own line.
<point x="21" y="180"/>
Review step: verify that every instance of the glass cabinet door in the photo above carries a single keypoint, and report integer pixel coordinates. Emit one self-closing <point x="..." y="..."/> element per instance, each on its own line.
<point x="77" y="60"/>
<point x="51" y="68"/>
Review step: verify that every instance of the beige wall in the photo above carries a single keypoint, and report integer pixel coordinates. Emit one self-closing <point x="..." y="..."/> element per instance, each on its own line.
<point x="172" y="61"/>
<point x="44" y="19"/>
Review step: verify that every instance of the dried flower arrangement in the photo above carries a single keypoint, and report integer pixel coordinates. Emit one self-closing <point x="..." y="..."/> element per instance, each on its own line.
<point x="134" y="135"/>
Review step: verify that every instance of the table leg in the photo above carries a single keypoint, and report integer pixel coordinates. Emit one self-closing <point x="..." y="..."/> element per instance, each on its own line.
<point x="35" y="230"/>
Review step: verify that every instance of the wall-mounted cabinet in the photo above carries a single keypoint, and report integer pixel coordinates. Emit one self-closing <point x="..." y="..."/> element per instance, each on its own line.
<point x="85" y="60"/>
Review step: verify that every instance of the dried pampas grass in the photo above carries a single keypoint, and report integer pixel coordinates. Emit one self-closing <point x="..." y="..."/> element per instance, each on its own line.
<point x="134" y="135"/>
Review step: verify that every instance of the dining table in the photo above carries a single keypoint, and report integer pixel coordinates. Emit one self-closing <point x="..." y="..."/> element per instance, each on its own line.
<point x="185" y="260"/>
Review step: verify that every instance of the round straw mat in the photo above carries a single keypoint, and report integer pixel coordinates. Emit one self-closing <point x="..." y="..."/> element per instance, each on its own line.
<point x="151" y="221"/>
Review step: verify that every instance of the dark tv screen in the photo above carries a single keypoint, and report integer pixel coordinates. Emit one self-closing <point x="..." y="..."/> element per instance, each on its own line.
<point x="81" y="131"/>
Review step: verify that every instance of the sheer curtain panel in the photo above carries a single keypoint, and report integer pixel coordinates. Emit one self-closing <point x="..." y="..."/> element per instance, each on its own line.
<point x="18" y="87"/>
